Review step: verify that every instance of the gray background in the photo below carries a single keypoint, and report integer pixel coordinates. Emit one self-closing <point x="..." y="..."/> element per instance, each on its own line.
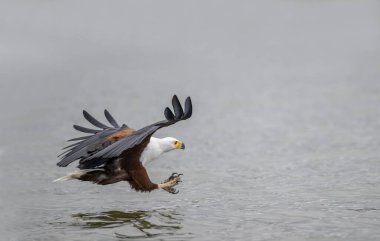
<point x="283" y="143"/>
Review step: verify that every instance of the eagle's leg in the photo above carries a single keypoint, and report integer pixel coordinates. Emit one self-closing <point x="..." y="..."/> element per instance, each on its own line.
<point x="169" y="183"/>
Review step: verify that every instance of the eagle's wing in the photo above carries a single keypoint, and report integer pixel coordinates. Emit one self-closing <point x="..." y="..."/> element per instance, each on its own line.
<point x="91" y="144"/>
<point x="123" y="145"/>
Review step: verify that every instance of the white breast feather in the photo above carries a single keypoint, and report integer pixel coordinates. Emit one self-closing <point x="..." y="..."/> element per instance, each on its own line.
<point x="151" y="151"/>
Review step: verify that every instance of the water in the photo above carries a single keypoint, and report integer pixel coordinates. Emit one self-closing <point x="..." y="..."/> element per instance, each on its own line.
<point x="283" y="143"/>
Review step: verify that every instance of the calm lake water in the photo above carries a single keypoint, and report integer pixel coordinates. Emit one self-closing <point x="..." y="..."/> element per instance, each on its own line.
<point x="284" y="139"/>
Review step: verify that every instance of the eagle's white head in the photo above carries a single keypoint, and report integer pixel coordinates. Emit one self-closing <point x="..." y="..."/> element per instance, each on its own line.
<point x="170" y="143"/>
<point x="158" y="146"/>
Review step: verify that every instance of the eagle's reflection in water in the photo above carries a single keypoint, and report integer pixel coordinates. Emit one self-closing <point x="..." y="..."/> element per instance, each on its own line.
<point x="132" y="224"/>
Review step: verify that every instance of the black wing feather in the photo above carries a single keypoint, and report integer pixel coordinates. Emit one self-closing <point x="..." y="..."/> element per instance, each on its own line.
<point x="169" y="114"/>
<point x="85" y="130"/>
<point x="75" y="144"/>
<point x="79" y="138"/>
<point x="188" y="108"/>
<point x="177" y="107"/>
<point x="94" y="121"/>
<point x="110" y="119"/>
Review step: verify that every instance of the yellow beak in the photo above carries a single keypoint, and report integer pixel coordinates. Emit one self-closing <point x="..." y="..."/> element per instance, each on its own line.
<point x="180" y="145"/>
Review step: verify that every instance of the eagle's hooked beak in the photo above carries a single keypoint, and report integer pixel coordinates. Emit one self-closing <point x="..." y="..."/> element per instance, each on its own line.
<point x="179" y="145"/>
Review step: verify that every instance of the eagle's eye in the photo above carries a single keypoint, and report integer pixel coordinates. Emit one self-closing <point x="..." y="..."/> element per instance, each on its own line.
<point x="176" y="142"/>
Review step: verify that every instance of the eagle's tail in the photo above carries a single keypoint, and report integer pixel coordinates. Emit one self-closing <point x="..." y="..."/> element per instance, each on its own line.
<point x="97" y="176"/>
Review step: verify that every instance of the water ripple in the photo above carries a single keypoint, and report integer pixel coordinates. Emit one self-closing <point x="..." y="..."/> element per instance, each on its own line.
<point x="131" y="224"/>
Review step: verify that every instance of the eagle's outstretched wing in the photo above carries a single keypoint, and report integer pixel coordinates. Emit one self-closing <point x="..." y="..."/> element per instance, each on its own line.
<point x="134" y="139"/>
<point x="96" y="149"/>
<point x="88" y="145"/>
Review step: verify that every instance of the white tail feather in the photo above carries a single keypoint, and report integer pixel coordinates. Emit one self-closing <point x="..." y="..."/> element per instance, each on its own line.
<point x="64" y="178"/>
<point x="73" y="175"/>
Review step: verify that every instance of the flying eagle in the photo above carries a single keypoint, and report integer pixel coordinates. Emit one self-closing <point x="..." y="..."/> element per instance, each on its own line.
<point x="119" y="153"/>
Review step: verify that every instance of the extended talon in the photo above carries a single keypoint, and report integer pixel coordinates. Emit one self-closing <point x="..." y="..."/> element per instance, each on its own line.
<point x="174" y="175"/>
<point x="172" y="181"/>
<point x="171" y="190"/>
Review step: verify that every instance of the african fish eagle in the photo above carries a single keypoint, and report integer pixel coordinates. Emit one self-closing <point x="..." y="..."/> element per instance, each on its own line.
<point x="119" y="153"/>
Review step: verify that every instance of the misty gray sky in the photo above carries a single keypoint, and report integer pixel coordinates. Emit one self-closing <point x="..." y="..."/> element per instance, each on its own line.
<point x="93" y="53"/>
